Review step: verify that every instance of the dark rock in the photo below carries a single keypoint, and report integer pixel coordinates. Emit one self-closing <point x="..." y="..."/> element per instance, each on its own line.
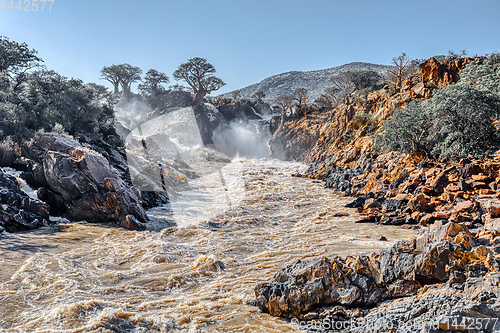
<point x="391" y="205"/>
<point x="358" y="202"/>
<point x="431" y="266"/>
<point x="463" y="186"/>
<point x="439" y="182"/>
<point x="382" y="239"/>
<point x="82" y="183"/>
<point x="419" y="203"/>
<point x="466" y="171"/>
<point x="304" y="288"/>
<point x="131" y="223"/>
<point x="18" y="211"/>
<point x="354" y="281"/>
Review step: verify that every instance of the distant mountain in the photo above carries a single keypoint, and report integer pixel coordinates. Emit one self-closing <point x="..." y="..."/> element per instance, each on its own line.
<point x="314" y="81"/>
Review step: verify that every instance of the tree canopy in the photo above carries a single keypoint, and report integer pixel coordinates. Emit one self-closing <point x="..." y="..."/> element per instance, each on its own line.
<point x="198" y="73"/>
<point x="151" y="83"/>
<point x="35" y="99"/>
<point x="123" y="74"/>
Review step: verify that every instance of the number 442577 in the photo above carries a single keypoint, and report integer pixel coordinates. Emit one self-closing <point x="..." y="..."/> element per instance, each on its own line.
<point x="27" y="5"/>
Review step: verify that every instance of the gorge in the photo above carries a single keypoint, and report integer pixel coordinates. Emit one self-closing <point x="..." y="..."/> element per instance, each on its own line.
<point x="195" y="226"/>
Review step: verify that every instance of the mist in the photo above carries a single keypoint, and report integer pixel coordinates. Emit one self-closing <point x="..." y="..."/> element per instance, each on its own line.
<point x="250" y="138"/>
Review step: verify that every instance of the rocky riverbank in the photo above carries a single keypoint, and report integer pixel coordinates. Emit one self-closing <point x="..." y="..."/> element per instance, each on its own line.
<point x="446" y="279"/>
<point x="79" y="180"/>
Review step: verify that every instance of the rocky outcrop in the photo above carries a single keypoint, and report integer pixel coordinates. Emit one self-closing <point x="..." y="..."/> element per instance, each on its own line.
<point x="437" y="74"/>
<point x="447" y="257"/>
<point x="80" y="183"/>
<point x="339" y="135"/>
<point x="393" y="189"/>
<point x="18" y="211"/>
<point x="294" y="139"/>
<point x="237" y="109"/>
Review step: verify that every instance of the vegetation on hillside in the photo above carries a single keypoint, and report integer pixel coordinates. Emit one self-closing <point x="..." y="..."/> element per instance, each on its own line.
<point x="34" y="99"/>
<point x="457" y="121"/>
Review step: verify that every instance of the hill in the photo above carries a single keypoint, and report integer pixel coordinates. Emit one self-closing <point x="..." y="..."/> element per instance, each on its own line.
<point x="314" y="81"/>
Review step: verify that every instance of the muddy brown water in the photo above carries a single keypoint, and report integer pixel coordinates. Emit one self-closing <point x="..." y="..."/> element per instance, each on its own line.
<point x="238" y="225"/>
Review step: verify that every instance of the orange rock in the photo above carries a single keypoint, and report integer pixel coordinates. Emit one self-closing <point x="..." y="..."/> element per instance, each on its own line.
<point x="464" y="206"/>
<point x="402" y="197"/>
<point x="452" y="188"/>
<point x="485" y="191"/>
<point x="481" y="178"/>
<point x="427" y="219"/>
<point x="419" y="203"/>
<point x="435" y="202"/>
<point x="464" y="238"/>
<point x="426" y="189"/>
<point x="441" y="215"/>
<point x="418" y="173"/>
<point x="493" y="208"/>
<point x="392" y="192"/>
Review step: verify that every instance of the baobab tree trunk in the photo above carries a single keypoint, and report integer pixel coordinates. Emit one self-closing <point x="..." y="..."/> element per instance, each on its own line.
<point x="117" y="88"/>
<point x="199" y="95"/>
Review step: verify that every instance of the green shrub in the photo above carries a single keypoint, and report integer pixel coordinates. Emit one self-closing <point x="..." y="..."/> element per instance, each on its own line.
<point x="454" y="123"/>
<point x="348" y="136"/>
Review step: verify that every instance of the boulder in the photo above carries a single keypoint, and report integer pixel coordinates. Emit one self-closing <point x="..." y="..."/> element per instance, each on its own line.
<point x="82" y="183"/>
<point x="464" y="206"/>
<point x="492" y="207"/>
<point x="439" y="182"/>
<point x="360" y="281"/>
<point x="391" y="205"/>
<point x="419" y="203"/>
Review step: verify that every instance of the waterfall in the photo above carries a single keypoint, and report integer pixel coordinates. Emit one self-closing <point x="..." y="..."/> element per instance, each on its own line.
<point x="249" y="137"/>
<point x="23" y="186"/>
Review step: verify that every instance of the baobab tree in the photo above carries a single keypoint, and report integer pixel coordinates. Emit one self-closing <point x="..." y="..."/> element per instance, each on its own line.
<point x="342" y="84"/>
<point x="129" y="75"/>
<point x="332" y="94"/>
<point x="112" y="75"/>
<point x="286" y="105"/>
<point x="124" y="75"/>
<point x="199" y="75"/>
<point x="151" y="83"/>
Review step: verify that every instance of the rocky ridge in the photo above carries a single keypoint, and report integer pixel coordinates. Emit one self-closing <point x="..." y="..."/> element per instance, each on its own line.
<point x="314" y="81"/>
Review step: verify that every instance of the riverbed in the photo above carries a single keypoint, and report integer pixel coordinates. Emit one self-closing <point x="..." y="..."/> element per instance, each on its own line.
<point x="195" y="270"/>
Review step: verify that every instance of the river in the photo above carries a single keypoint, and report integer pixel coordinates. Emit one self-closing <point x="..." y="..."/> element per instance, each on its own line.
<point x="237" y="226"/>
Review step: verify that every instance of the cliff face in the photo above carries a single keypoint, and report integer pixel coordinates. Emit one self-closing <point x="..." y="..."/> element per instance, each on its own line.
<point x="320" y="138"/>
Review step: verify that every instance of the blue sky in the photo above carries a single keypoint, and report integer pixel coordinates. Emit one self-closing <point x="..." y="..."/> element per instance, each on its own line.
<point x="248" y="41"/>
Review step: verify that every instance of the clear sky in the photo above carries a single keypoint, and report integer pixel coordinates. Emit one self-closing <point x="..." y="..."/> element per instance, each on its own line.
<point x="247" y="41"/>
